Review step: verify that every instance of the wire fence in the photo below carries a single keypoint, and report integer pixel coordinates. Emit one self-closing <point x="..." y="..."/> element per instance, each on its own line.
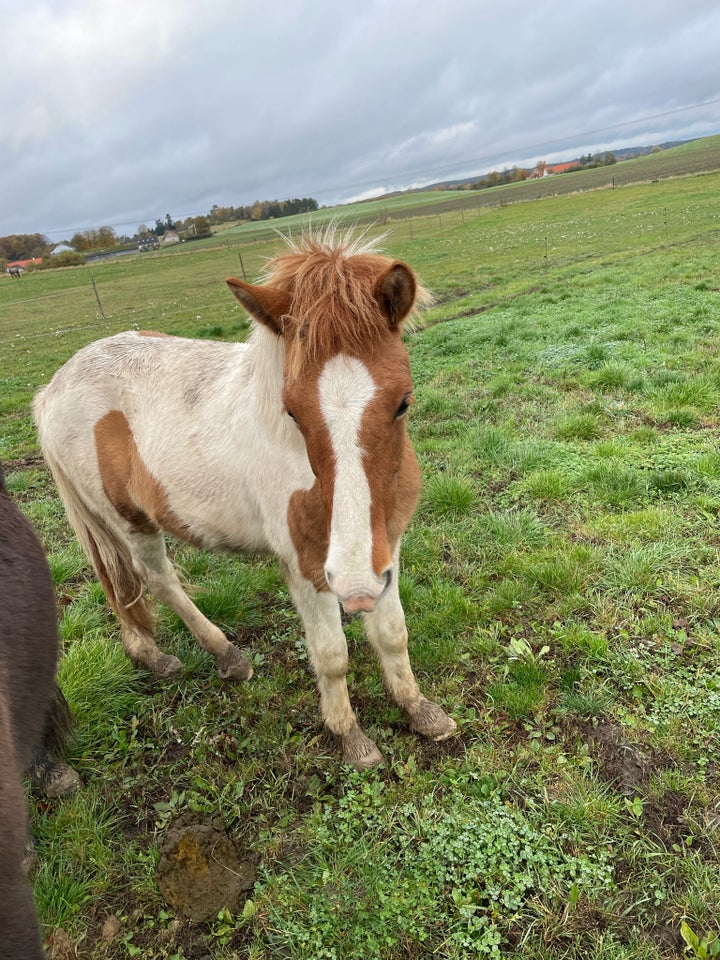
<point x="152" y="289"/>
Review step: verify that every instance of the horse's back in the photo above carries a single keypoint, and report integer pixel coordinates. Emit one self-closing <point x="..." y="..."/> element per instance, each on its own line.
<point x="133" y="371"/>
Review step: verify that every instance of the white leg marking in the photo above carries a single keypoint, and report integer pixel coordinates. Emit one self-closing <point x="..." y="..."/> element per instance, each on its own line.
<point x="327" y="646"/>
<point x="328" y="651"/>
<point x="386" y="631"/>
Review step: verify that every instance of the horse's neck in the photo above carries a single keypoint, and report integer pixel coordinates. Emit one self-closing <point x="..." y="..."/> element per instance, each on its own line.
<point x="264" y="368"/>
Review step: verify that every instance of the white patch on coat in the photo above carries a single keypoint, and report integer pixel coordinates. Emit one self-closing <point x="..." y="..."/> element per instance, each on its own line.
<point x="345" y="389"/>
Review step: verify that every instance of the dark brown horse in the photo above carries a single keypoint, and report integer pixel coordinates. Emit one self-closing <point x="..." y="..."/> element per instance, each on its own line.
<point x="33" y="716"/>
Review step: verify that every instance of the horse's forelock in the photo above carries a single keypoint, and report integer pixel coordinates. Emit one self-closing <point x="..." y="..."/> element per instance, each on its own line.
<point x="332" y="280"/>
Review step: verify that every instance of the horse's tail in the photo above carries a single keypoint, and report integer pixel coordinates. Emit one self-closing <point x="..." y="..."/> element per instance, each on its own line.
<point x="102" y="542"/>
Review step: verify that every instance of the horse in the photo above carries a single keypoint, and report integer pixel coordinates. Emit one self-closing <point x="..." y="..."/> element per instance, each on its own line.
<point x="294" y="442"/>
<point x="34" y="717"/>
<point x="15" y="271"/>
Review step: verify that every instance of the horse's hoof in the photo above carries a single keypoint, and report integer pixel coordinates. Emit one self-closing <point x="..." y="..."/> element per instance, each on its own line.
<point x="359" y="751"/>
<point x="55" y="779"/>
<point x="165" y="666"/>
<point x="431" y="721"/>
<point x="233" y="665"/>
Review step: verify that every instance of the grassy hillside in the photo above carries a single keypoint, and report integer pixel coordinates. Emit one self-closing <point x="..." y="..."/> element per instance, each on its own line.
<point x="562" y="593"/>
<point x="697" y="157"/>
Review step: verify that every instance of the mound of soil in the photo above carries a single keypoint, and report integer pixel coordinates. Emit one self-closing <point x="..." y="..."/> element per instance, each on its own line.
<point x="202" y="869"/>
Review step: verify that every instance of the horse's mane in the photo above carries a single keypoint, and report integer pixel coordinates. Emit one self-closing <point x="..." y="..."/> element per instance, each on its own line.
<point x="331" y="279"/>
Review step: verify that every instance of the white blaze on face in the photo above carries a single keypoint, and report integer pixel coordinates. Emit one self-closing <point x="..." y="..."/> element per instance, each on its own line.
<point x="345" y="389"/>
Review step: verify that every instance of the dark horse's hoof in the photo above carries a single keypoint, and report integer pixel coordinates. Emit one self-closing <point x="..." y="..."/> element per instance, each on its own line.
<point x="53" y="778"/>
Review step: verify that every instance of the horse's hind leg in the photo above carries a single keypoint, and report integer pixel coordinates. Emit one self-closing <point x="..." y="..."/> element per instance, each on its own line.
<point x="162" y="580"/>
<point x="124" y="587"/>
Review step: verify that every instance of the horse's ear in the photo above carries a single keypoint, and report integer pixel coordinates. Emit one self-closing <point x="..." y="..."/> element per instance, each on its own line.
<point x="265" y="303"/>
<point x="396" y="291"/>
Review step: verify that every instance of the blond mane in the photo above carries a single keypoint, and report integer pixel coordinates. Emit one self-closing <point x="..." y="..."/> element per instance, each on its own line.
<point x="331" y="279"/>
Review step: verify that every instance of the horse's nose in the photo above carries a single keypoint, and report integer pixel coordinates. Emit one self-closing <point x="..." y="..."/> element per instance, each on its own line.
<point x="358" y="596"/>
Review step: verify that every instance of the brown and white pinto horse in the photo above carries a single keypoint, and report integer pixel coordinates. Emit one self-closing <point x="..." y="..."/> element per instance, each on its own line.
<point x="294" y="442"/>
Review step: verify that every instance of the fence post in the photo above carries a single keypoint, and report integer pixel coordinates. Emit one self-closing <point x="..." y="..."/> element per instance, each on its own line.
<point x="242" y="265"/>
<point x="97" y="297"/>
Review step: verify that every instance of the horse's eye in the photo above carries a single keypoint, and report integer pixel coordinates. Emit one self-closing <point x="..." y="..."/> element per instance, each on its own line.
<point x="403" y="408"/>
<point x="291" y="415"/>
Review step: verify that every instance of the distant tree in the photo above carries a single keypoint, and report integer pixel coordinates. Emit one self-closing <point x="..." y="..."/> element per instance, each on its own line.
<point x="106" y="237"/>
<point x="100" y="239"/>
<point x="24" y="246"/>
<point x="201" y="227"/>
<point x="80" y="242"/>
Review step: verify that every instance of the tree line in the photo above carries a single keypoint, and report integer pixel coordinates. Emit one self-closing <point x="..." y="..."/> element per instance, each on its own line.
<point x="26" y="246"/>
<point x="23" y="246"/>
<point x="263" y="210"/>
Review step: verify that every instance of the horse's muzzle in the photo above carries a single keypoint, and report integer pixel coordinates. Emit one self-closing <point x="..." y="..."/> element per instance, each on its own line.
<point x="357" y="599"/>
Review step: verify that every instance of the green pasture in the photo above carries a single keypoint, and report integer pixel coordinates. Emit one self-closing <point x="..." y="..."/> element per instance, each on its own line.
<point x="562" y="589"/>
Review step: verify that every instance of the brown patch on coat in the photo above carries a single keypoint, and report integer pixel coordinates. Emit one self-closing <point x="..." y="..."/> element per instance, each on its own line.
<point x="390" y="463"/>
<point x="128" y="484"/>
<point x="308" y="525"/>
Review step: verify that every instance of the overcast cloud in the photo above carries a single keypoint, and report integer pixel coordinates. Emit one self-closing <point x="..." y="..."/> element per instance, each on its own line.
<point x="115" y="112"/>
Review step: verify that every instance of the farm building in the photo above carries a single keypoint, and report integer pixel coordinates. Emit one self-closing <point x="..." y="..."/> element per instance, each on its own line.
<point x="14" y="265"/>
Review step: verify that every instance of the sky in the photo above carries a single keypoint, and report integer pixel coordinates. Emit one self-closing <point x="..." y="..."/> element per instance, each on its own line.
<point x="117" y="112"/>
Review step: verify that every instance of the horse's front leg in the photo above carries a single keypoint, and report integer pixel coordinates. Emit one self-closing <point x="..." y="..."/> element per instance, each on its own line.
<point x="327" y="646"/>
<point x="386" y="631"/>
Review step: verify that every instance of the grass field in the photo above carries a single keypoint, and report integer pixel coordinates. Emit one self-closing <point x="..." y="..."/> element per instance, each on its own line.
<point x="562" y="589"/>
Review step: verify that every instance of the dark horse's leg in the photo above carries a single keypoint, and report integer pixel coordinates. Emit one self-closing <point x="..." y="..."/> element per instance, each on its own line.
<point x="51" y="776"/>
<point x="19" y="933"/>
<point x="32" y="712"/>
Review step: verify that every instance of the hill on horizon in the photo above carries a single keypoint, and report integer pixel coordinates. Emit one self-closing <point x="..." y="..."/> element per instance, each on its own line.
<point x="621" y="154"/>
